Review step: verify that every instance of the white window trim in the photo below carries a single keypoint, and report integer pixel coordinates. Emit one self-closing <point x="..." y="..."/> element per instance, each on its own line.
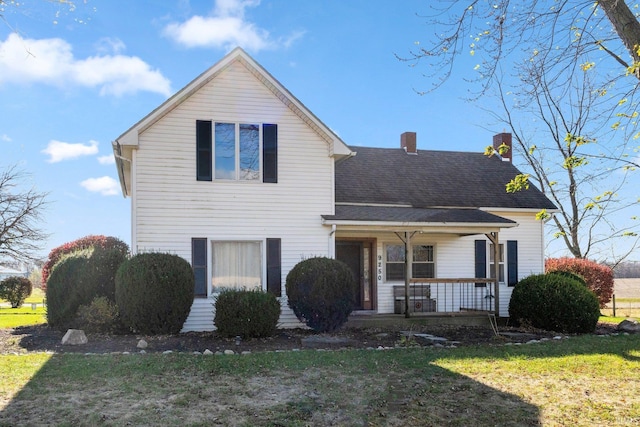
<point x="237" y="150"/>
<point x="211" y="292"/>
<point x="435" y="257"/>
<point x="502" y="262"/>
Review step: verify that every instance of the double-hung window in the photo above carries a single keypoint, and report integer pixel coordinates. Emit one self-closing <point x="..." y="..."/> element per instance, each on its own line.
<point x="422" y="267"/>
<point x="507" y="261"/>
<point x="492" y="262"/>
<point x="236" y="264"/>
<point x="236" y="151"/>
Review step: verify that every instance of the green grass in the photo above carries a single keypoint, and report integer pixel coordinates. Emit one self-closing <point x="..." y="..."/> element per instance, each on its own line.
<point x="626" y="300"/>
<point x="569" y="382"/>
<point x="25" y="315"/>
<point x="614" y="320"/>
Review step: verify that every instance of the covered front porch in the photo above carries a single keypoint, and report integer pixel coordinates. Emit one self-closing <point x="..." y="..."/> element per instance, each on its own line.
<point x="425" y="269"/>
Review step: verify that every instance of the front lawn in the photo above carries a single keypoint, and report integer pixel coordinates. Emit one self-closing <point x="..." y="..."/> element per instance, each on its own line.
<point x="25" y="315"/>
<point x="580" y="381"/>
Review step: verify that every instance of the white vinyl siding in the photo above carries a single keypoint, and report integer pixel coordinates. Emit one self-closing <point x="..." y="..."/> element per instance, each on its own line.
<point x="172" y="206"/>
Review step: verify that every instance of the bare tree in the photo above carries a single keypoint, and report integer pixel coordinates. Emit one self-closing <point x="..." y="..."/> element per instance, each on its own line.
<point x="566" y="74"/>
<point x="20" y="211"/>
<point x="558" y="130"/>
<point x="495" y="32"/>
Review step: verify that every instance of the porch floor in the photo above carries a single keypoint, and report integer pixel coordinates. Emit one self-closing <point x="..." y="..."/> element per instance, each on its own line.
<point x="363" y="319"/>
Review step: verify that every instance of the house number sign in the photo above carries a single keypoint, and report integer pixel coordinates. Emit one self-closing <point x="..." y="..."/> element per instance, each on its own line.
<point x="379" y="268"/>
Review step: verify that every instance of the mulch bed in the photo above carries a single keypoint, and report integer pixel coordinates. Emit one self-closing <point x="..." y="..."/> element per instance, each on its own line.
<point x="42" y="338"/>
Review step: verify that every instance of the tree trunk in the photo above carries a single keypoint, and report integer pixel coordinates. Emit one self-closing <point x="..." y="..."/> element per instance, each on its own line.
<point x="626" y="26"/>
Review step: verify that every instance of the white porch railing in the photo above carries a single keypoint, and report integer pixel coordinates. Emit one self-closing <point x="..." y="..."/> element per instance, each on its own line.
<point x="446" y="296"/>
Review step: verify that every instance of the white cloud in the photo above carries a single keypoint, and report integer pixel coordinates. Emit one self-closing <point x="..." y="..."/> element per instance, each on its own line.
<point x="59" y="151"/>
<point x="106" y="160"/>
<point x="51" y="61"/>
<point x="110" y="45"/>
<point x="6" y="138"/>
<point x="226" y="28"/>
<point x="105" y="185"/>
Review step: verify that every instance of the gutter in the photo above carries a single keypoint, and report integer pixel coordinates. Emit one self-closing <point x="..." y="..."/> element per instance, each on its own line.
<point x="117" y="153"/>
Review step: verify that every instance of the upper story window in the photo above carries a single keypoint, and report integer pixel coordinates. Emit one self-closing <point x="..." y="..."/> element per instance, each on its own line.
<point x="492" y="262"/>
<point x="423" y="266"/>
<point x="232" y="151"/>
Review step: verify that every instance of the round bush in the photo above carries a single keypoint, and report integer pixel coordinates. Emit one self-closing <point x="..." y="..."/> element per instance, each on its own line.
<point x="15" y="289"/>
<point x="90" y="275"/>
<point x="554" y="302"/>
<point x="249" y="314"/>
<point x="321" y="293"/>
<point x="599" y="278"/>
<point x="570" y="275"/>
<point x="87" y="242"/>
<point x="154" y="292"/>
<point x="63" y="293"/>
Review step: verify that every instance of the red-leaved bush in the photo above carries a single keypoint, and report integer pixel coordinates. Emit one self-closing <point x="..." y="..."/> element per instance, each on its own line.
<point x="103" y="242"/>
<point x="599" y="277"/>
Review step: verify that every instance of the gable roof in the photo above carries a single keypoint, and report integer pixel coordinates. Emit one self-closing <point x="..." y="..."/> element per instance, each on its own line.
<point x="431" y="179"/>
<point x="338" y="147"/>
<point x="128" y="140"/>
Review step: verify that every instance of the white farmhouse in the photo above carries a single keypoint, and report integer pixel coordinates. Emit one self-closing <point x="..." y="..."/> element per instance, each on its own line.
<point x="237" y="176"/>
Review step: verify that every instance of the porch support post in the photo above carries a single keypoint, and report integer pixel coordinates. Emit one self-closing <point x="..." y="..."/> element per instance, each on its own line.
<point x="408" y="261"/>
<point x="493" y="237"/>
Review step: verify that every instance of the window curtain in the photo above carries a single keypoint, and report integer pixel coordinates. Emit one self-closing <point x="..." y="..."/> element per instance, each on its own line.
<point x="236" y="265"/>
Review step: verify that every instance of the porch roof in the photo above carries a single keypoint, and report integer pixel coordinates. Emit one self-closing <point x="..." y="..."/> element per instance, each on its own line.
<point x="448" y="219"/>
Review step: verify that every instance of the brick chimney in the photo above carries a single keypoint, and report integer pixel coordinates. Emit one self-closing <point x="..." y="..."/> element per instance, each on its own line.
<point x="503" y="138"/>
<point x="408" y="142"/>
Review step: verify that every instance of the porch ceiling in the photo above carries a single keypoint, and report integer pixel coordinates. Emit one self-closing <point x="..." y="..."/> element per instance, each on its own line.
<point x="434" y="220"/>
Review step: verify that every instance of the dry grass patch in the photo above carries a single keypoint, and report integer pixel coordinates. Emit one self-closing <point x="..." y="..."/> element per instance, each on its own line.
<point x="569" y="382"/>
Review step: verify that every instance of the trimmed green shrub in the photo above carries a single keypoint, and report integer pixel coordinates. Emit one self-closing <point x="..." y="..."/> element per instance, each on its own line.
<point x="99" y="316"/>
<point x="15" y="289"/>
<point x="92" y="275"/>
<point x="570" y="275"/>
<point x="321" y="293"/>
<point x="554" y="302"/>
<point x="246" y="313"/>
<point x="63" y="293"/>
<point x="599" y="278"/>
<point x="154" y="292"/>
<point x="87" y="242"/>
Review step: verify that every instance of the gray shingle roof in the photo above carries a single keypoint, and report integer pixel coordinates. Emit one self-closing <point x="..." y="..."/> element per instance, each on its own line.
<point x="431" y="179"/>
<point x="401" y="214"/>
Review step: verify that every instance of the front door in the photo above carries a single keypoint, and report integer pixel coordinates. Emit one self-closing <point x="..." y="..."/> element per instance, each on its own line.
<point x="357" y="255"/>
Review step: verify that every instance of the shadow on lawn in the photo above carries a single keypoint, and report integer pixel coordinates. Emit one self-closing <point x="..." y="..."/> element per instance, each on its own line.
<point x="371" y="389"/>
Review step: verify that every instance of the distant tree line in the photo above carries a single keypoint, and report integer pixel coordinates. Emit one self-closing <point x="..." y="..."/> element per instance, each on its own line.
<point x="627" y="269"/>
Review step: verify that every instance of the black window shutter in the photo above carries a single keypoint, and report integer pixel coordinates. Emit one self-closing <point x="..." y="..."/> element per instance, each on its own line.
<point x="481" y="261"/>
<point x="274" y="268"/>
<point x="203" y="150"/>
<point x="270" y="153"/>
<point x="199" y="265"/>
<point x="512" y="262"/>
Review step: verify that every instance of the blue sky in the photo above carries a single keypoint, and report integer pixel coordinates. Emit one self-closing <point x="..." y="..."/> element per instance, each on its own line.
<point x="73" y="81"/>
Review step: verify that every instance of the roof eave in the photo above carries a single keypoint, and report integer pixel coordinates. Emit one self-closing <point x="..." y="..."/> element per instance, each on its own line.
<point x="433" y="227"/>
<point x="337" y="147"/>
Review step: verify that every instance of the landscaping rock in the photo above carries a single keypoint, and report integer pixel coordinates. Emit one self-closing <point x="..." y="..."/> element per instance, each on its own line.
<point x="74" y="337"/>
<point x="142" y="344"/>
<point x="324" y="341"/>
<point x="631" y="326"/>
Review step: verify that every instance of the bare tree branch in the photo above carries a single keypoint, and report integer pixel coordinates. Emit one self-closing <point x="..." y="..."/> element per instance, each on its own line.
<point x="20" y="212"/>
